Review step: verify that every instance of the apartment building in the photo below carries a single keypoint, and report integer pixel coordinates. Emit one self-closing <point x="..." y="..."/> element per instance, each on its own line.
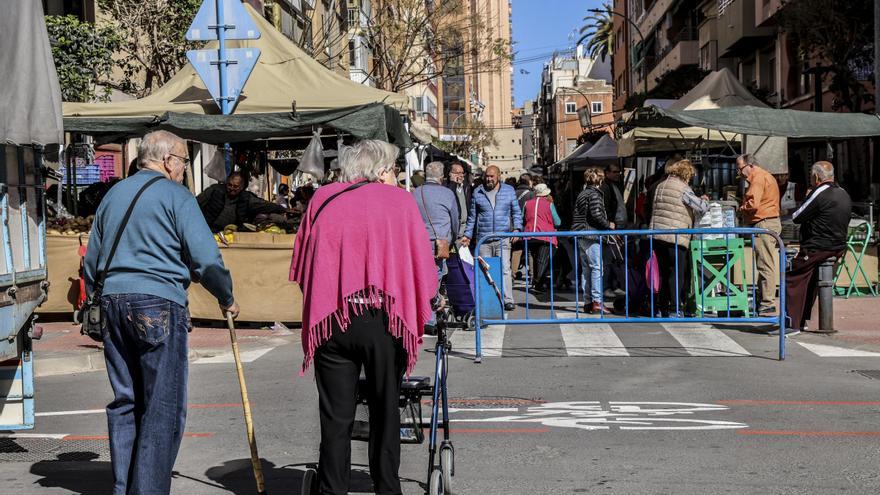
<point x="657" y="39"/>
<point x="571" y="82"/>
<point x="320" y="27"/>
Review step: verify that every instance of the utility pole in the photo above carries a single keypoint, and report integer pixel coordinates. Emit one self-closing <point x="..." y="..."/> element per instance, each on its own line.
<point x="877" y="56"/>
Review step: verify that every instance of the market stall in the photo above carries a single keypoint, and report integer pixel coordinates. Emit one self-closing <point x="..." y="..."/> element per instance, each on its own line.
<point x="258" y="262"/>
<point x="792" y="125"/>
<point x="288" y="98"/>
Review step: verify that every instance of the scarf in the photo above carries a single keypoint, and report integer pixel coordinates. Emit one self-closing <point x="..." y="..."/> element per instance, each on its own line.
<point x="367" y="250"/>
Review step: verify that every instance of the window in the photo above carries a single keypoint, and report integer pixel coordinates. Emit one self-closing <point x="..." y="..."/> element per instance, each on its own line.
<point x="570" y="145"/>
<point x="596" y="107"/>
<point x="570" y="107"/>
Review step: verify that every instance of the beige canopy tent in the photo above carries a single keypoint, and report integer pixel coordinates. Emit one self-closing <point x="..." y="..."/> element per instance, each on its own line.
<point x="284" y="75"/>
<point x="719" y="89"/>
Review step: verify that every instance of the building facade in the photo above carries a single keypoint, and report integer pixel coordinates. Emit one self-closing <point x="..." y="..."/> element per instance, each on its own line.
<point x="659" y="40"/>
<point x="571" y="82"/>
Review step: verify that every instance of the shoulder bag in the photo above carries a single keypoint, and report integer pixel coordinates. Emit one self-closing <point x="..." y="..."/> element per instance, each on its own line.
<point x="91" y="315"/>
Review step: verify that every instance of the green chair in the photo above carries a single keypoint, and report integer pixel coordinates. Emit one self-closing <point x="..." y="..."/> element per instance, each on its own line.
<point x="714" y="263"/>
<point x="859" y="236"/>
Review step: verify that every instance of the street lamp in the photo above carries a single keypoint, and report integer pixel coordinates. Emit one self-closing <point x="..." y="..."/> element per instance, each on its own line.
<point x="638" y="31"/>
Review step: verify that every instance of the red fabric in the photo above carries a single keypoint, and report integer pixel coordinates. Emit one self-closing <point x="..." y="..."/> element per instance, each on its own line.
<point x="369" y="244"/>
<point x="540" y="222"/>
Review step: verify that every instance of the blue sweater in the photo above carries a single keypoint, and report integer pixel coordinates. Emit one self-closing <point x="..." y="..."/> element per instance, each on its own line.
<point x="165" y="245"/>
<point x="484" y="219"/>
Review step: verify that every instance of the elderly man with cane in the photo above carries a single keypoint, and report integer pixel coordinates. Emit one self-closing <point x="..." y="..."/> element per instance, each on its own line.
<point x="148" y="243"/>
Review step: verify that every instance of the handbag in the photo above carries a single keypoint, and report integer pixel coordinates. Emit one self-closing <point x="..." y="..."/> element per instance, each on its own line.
<point x="92" y="315"/>
<point x="441" y="246"/>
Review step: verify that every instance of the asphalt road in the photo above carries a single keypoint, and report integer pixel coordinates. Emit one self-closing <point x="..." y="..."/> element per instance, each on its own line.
<point x="551" y="410"/>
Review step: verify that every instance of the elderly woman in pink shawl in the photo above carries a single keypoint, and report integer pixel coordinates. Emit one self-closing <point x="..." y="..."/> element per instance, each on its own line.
<point x="367" y="283"/>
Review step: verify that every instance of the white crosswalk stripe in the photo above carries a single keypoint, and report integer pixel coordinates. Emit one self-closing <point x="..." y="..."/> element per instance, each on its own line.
<point x="834" y="351"/>
<point x="491" y="341"/>
<point x="591" y="339"/>
<point x="700" y="339"/>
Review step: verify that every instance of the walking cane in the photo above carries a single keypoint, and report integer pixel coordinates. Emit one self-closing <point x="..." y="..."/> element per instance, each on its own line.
<point x="248" y="421"/>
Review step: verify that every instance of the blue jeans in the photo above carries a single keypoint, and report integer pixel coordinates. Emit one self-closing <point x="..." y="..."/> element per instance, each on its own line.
<point x="591" y="267"/>
<point x="145" y="347"/>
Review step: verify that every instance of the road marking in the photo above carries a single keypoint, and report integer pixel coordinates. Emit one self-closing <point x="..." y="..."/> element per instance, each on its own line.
<point x="797" y="403"/>
<point x="593" y="415"/>
<point x="811" y="433"/>
<point x="591" y="339"/>
<point x="822" y="350"/>
<point x="491" y="340"/>
<point x="23" y="436"/>
<point x="102" y="411"/>
<point x="70" y="413"/>
<point x="73" y="438"/>
<point x="703" y="340"/>
<point x="227" y="357"/>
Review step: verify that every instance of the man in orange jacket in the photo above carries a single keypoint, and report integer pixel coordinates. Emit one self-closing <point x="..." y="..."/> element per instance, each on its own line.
<point x="760" y="209"/>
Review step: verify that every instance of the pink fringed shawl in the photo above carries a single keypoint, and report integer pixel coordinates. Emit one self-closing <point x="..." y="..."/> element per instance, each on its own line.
<point x="370" y="245"/>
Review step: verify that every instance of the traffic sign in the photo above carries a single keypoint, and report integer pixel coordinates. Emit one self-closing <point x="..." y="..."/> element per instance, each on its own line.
<point x="239" y="24"/>
<point x="241" y="62"/>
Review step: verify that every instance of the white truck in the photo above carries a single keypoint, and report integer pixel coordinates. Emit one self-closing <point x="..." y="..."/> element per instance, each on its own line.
<point x="30" y="130"/>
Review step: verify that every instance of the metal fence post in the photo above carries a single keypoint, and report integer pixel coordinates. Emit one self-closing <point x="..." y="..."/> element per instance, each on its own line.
<point x="826" y="296"/>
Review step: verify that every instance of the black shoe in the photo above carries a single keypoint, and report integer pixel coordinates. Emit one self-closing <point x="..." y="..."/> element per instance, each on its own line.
<point x="767" y="311"/>
<point x="509" y="306"/>
<point x="536" y="290"/>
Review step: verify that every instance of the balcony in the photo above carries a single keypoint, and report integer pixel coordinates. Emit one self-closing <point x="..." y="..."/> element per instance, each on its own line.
<point x="682" y="50"/>
<point x="737" y="29"/>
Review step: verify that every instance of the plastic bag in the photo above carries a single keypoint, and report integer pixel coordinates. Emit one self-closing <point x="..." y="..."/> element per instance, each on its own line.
<point x="312" y="161"/>
<point x="652" y="273"/>
<point x="464" y="254"/>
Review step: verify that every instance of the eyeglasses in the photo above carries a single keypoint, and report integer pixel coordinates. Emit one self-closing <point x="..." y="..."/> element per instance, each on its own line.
<point x="185" y="160"/>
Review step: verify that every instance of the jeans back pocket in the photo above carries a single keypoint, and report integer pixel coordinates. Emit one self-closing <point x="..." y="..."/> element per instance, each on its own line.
<point x="151" y="319"/>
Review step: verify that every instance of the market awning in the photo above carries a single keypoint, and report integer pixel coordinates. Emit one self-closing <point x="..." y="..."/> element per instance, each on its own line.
<point x="373" y="121"/>
<point x="283" y="76"/>
<point x="604" y="152"/>
<point x="759" y="121"/>
<point x="31" y="96"/>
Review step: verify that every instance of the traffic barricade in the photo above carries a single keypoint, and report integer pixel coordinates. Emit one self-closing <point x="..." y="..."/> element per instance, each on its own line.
<point x="722" y="292"/>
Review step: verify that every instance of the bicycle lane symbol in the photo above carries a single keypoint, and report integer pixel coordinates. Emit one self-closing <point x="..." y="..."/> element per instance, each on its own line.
<point x="594" y="415"/>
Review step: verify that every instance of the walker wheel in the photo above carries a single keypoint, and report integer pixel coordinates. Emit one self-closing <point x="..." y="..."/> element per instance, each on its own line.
<point x="447" y="467"/>
<point x="435" y="483"/>
<point x="310" y="482"/>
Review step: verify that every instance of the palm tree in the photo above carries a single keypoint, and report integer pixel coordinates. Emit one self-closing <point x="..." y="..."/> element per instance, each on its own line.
<point x="599" y="30"/>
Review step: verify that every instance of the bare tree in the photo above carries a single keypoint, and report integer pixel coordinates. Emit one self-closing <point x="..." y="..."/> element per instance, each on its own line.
<point x="414" y="40"/>
<point x="470" y="135"/>
<point x="153" y="46"/>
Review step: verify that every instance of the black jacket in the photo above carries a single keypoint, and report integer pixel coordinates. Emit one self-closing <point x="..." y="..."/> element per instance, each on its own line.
<point x="247" y="206"/>
<point x="610" y="200"/>
<point x="523" y="194"/>
<point x="468" y="194"/>
<point x="824" y="218"/>
<point x="589" y="211"/>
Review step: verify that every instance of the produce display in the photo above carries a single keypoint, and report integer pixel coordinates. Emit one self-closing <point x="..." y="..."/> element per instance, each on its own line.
<point x="69" y="225"/>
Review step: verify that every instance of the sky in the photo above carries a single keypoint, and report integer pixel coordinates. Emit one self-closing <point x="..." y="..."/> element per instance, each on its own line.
<point x="539" y="28"/>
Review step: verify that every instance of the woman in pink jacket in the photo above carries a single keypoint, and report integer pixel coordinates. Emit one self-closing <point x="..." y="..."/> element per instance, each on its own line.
<point x="367" y="281"/>
<point x="541" y="216"/>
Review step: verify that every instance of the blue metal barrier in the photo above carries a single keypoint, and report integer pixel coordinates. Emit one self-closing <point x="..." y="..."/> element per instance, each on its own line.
<point x="627" y="235"/>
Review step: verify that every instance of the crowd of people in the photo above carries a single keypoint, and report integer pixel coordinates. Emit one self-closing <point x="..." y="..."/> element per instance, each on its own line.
<point x="369" y="257"/>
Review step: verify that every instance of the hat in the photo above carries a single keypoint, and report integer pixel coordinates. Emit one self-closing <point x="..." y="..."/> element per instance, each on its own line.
<point x="542" y="190"/>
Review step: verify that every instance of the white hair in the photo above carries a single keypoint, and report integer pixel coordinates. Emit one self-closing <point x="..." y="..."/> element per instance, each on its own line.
<point x="823" y="170"/>
<point x="434" y="171"/>
<point x="365" y="159"/>
<point x="155" y="146"/>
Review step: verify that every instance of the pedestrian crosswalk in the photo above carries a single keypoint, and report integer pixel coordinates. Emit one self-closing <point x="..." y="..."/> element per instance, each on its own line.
<point x="602" y="339"/>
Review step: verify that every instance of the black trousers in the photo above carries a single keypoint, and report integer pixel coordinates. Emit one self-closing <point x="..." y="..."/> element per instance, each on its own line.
<point x="365" y="344"/>
<point x="666" y="252"/>
<point x="541" y="250"/>
<point x="802" y="284"/>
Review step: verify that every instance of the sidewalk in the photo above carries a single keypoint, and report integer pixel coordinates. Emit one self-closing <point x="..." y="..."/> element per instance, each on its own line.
<point x="63" y="350"/>
<point x="857" y="320"/>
